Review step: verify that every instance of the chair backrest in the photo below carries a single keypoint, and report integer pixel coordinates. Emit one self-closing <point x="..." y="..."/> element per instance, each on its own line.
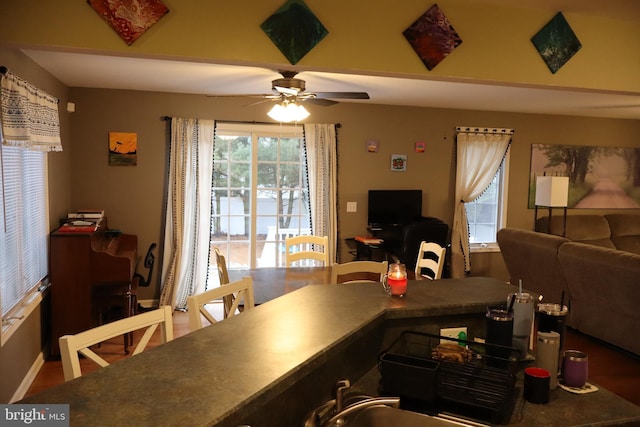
<point x="223" y="276"/>
<point x="431" y="259"/>
<point x="221" y="262"/>
<point x="71" y="345"/>
<point x="430" y="230"/>
<point x="306" y="248"/>
<point x="240" y="291"/>
<point x="374" y="271"/>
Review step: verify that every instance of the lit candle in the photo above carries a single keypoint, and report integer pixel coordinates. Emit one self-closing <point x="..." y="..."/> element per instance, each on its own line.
<point x="397" y="280"/>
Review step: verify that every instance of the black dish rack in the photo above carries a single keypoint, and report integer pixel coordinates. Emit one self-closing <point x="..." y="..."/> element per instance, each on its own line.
<point x="409" y="370"/>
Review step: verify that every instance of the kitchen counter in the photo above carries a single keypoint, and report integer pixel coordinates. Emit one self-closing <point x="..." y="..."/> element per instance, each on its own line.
<point x="269" y="366"/>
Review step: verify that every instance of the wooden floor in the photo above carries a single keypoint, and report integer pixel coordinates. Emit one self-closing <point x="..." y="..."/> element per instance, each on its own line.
<point x="609" y="368"/>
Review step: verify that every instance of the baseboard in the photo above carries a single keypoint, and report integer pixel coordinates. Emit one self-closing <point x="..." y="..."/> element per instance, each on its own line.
<point x="28" y="378"/>
<point x="149" y="303"/>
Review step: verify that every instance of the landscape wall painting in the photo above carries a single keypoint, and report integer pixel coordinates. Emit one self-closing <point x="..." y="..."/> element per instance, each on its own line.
<point x="599" y="177"/>
<point x="123" y="149"/>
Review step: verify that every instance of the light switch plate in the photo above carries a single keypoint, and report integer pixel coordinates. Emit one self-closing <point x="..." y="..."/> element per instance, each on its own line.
<point x="352" y="206"/>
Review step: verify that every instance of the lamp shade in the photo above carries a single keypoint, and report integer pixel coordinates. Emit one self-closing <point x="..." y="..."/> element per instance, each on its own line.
<point x="552" y="191"/>
<point x="288" y="112"/>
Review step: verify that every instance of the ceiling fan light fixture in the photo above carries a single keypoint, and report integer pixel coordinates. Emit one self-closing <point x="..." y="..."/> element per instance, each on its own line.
<point x="287" y="112"/>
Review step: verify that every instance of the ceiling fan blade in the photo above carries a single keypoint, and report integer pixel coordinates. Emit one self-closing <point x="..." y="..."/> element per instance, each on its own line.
<point x="321" y="102"/>
<point x="257" y="95"/>
<point x="262" y="101"/>
<point x="286" y="90"/>
<point x="342" y="95"/>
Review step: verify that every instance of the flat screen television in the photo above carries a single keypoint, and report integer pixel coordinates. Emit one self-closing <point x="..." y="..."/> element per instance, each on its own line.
<point x="388" y="207"/>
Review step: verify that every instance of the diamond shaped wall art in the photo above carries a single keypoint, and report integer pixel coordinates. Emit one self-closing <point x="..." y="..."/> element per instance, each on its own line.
<point x="294" y="29"/>
<point x="556" y="42"/>
<point x="130" y="18"/>
<point x="432" y="37"/>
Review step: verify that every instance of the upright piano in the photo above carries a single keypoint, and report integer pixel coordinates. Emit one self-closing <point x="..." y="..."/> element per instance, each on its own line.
<point x="80" y="264"/>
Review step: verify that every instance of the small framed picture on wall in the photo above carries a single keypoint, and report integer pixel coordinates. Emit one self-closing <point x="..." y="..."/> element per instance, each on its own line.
<point x="372" y="146"/>
<point x="123" y="149"/>
<point x="398" y="162"/>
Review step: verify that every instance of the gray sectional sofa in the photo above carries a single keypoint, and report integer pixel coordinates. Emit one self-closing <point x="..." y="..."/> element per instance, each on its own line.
<point x="597" y="265"/>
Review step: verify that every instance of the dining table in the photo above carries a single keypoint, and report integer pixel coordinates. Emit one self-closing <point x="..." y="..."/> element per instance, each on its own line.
<point x="272" y="282"/>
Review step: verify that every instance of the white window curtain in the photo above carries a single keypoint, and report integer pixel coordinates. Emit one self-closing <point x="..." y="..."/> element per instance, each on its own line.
<point x="321" y="147"/>
<point x="30" y="117"/>
<point x="187" y="227"/>
<point x="479" y="154"/>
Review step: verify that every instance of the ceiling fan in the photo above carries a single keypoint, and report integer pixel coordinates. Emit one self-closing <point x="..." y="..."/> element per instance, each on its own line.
<point x="291" y="89"/>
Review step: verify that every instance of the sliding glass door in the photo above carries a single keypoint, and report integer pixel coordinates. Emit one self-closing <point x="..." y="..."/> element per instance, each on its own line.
<point x="260" y="193"/>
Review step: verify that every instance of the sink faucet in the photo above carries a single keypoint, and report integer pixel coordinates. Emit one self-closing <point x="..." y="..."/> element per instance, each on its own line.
<point x="339" y="418"/>
<point x="334" y="412"/>
<point x="341" y="386"/>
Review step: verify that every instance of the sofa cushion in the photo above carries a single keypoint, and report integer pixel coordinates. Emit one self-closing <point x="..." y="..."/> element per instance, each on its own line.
<point x="603" y="285"/>
<point x="533" y="258"/>
<point x="592" y="229"/>
<point x="625" y="231"/>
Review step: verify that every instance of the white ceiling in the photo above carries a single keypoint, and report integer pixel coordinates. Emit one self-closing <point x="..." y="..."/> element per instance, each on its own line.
<point x="111" y="72"/>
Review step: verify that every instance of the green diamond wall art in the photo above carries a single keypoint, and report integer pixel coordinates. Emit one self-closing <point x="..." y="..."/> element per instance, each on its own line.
<point x="294" y="29"/>
<point x="556" y="42"/>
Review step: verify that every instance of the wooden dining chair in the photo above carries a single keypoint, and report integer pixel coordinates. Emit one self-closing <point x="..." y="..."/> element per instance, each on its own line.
<point x="430" y="261"/>
<point x="223" y="277"/>
<point x="240" y="292"/>
<point x="80" y="343"/>
<point x="359" y="271"/>
<point x="301" y="248"/>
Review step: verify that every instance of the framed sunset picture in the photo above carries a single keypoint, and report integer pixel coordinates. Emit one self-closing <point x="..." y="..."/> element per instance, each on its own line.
<point x="123" y="149"/>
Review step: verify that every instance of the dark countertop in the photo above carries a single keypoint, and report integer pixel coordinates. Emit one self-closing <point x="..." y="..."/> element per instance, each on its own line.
<point x="270" y="364"/>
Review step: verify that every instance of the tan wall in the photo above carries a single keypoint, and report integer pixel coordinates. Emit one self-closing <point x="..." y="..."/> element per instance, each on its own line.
<point x="134" y="196"/>
<point x="364" y="36"/>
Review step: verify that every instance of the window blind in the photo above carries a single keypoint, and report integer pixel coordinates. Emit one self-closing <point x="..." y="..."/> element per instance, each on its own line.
<point x="23" y="224"/>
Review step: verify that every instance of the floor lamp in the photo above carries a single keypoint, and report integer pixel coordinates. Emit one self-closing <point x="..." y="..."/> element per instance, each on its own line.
<point x="552" y="192"/>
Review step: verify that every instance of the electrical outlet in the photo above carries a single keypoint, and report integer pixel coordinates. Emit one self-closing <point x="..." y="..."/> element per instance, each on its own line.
<point x="460" y="333"/>
<point x="352" y="206"/>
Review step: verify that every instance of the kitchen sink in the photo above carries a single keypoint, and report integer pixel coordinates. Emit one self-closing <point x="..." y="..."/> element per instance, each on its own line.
<point x="349" y="409"/>
<point x="384" y="416"/>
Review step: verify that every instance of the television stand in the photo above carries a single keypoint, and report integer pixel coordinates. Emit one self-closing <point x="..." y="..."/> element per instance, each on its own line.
<point x="367" y="251"/>
<point x="391" y="234"/>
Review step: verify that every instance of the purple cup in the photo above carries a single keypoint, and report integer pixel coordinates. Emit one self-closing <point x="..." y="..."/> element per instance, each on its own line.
<point x="575" y="368"/>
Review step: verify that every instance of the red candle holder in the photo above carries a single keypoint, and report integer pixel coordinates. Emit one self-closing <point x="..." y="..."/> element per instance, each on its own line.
<point x="397" y="280"/>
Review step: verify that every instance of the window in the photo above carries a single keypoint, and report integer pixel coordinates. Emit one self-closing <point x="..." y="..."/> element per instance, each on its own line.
<point x="23" y="223"/>
<point x="260" y="192"/>
<point x="488" y="213"/>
